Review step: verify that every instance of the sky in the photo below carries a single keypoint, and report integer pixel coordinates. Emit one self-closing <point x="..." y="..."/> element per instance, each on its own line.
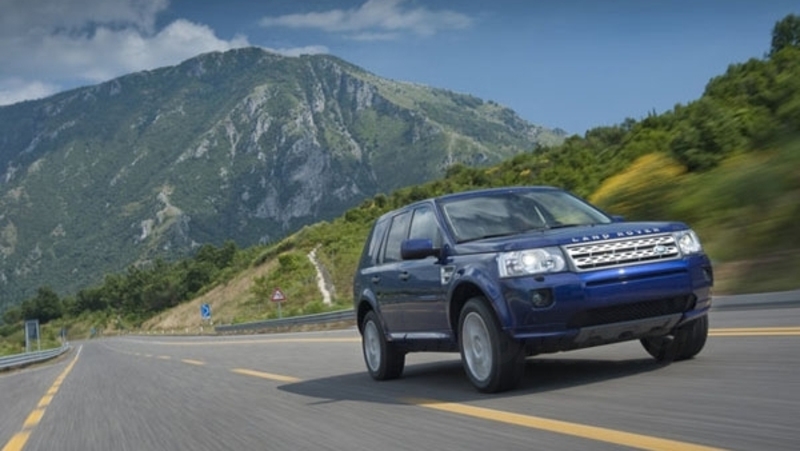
<point x="571" y="64"/>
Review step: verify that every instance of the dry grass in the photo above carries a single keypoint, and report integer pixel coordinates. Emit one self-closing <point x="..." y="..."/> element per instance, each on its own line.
<point x="778" y="271"/>
<point x="227" y="302"/>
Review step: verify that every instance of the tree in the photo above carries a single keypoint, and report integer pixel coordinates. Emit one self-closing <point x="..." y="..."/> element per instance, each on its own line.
<point x="221" y="258"/>
<point x="45" y="306"/>
<point x="786" y="34"/>
<point x="12" y="315"/>
<point x="89" y="299"/>
<point x="707" y="133"/>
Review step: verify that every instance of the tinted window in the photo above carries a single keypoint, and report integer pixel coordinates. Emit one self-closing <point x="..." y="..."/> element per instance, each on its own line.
<point x="398" y="231"/>
<point x="510" y="212"/>
<point x="371" y="252"/>
<point x="567" y="209"/>
<point x="424" y="225"/>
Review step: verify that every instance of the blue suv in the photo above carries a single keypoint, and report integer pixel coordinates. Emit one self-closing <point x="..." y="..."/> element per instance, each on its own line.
<point x="501" y="274"/>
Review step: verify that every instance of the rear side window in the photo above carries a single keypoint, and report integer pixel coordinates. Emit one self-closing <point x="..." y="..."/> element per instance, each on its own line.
<point x="370" y="256"/>
<point x="398" y="231"/>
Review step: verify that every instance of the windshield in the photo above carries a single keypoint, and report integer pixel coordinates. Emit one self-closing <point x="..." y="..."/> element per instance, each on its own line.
<point x="501" y="213"/>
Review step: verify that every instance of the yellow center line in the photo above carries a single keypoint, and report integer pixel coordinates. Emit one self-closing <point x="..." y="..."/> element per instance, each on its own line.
<point x="19" y="439"/>
<point x="595" y="433"/>
<point x="33" y="419"/>
<point x="589" y="432"/>
<point x="45" y="401"/>
<point x="193" y="362"/>
<point x="612" y="436"/>
<point x="262" y="375"/>
<point x="719" y="332"/>
<point x="253" y="342"/>
<point x="755" y="329"/>
<point x="754" y="332"/>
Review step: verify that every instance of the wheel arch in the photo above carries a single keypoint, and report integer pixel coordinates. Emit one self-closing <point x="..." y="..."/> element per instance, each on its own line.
<point x="366" y="304"/>
<point x="468" y="289"/>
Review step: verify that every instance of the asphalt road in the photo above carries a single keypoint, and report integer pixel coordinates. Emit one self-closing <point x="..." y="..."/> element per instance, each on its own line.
<point x="310" y="391"/>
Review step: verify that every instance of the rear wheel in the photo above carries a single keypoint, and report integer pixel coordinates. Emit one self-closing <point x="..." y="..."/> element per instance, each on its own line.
<point x="686" y="342"/>
<point x="383" y="360"/>
<point x="493" y="361"/>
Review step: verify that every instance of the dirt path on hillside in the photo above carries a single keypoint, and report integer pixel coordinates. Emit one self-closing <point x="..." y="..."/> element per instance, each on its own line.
<point x="323" y="279"/>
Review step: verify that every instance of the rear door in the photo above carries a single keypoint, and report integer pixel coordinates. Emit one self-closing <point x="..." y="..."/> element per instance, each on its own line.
<point x="387" y="283"/>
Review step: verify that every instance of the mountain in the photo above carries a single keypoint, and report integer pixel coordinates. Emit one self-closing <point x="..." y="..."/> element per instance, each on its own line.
<point x="245" y="145"/>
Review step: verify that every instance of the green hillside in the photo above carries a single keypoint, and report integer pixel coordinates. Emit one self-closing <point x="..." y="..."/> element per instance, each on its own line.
<point x="728" y="164"/>
<point x="245" y="145"/>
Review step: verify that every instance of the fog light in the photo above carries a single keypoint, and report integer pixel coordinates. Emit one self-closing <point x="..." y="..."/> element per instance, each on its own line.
<point x="542" y="298"/>
<point x="708" y="274"/>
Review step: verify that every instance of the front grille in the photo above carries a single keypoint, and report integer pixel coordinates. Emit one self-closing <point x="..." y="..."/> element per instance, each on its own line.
<point x="622" y="252"/>
<point x="631" y="312"/>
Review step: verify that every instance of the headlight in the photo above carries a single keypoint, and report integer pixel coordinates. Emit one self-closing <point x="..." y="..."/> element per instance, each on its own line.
<point x="688" y="242"/>
<point x="531" y="261"/>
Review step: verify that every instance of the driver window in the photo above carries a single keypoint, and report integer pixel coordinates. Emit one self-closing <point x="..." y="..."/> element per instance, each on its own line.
<point x="397" y="233"/>
<point x="424" y="225"/>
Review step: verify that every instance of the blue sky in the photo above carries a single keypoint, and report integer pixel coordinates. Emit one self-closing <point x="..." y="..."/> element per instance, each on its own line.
<point x="573" y="64"/>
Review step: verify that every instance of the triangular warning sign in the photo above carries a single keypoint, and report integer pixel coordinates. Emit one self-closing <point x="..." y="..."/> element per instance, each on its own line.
<point x="278" y="296"/>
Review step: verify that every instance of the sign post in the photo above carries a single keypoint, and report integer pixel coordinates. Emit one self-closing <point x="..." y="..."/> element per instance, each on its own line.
<point x="205" y="312"/>
<point x="279" y="297"/>
<point x="32" y="333"/>
<point x="205" y="315"/>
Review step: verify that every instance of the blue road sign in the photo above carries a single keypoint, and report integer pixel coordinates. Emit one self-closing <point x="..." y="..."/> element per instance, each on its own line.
<point x="205" y="311"/>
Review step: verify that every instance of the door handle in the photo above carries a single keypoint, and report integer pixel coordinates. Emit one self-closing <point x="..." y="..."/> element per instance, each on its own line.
<point x="376" y="279"/>
<point x="404" y="275"/>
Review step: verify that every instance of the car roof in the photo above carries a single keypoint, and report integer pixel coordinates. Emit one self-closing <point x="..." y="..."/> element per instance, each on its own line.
<point x="469" y="194"/>
<point x="482" y="192"/>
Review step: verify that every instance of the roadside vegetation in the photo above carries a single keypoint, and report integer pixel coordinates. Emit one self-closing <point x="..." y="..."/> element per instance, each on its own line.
<point x="728" y="164"/>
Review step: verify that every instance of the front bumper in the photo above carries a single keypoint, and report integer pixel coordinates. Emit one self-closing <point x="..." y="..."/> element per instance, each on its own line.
<point x="607" y="306"/>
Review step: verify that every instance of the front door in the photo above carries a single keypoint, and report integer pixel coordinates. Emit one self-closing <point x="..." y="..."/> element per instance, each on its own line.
<point x="424" y="296"/>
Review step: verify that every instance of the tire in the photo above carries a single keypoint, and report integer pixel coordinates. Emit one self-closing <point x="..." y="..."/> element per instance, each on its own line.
<point x="686" y="342"/>
<point x="493" y="361"/>
<point x="693" y="337"/>
<point x="383" y="360"/>
<point x="664" y="349"/>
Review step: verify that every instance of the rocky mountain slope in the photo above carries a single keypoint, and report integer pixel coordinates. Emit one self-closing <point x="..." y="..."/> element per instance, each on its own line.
<point x="244" y="145"/>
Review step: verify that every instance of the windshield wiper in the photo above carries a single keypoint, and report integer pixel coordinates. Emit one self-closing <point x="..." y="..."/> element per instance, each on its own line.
<point x="564" y="226"/>
<point x="486" y="237"/>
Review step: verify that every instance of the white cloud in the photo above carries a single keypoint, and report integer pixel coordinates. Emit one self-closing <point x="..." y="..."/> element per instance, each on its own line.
<point x="38" y="16"/>
<point x="297" y="51"/>
<point x="376" y="19"/>
<point x="109" y="53"/>
<point x="49" y="45"/>
<point x="17" y="90"/>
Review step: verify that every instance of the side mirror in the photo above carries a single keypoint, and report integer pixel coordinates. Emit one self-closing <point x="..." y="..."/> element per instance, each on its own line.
<point x="417" y="249"/>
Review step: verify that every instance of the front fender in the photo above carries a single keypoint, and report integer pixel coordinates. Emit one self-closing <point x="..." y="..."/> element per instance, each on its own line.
<point x="470" y="279"/>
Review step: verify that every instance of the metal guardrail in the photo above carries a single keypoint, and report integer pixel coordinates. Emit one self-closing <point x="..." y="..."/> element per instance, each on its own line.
<point x="18" y="360"/>
<point x="319" y="318"/>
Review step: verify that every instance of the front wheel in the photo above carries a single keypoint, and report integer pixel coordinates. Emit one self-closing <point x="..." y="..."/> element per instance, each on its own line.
<point x="687" y="341"/>
<point x="383" y="360"/>
<point x="493" y="361"/>
<point x="694" y="336"/>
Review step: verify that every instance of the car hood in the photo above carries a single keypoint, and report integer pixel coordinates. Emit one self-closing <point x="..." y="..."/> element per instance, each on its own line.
<point x="568" y="235"/>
